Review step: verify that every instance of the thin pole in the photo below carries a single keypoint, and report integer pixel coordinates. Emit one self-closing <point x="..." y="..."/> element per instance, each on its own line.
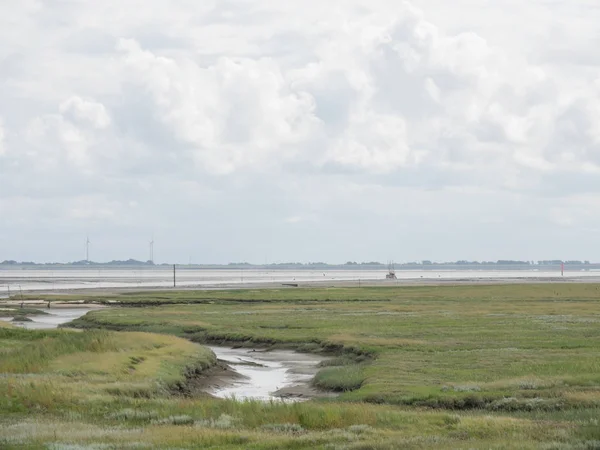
<point x="174" y="279"/>
<point x="87" y="249"/>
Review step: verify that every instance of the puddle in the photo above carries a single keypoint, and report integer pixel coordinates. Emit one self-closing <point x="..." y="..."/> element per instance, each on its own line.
<point x="53" y="318"/>
<point x="268" y="375"/>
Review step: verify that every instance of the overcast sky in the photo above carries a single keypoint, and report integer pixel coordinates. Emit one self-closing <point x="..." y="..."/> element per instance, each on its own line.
<point x="263" y="130"/>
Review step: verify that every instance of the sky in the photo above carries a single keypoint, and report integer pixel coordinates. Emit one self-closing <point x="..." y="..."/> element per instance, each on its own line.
<point x="271" y="131"/>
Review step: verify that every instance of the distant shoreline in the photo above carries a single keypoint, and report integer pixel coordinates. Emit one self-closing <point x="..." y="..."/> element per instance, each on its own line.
<point x="541" y="266"/>
<point x="322" y="284"/>
<point x="130" y="279"/>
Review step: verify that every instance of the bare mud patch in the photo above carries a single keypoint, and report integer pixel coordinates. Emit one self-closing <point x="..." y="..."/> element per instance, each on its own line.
<point x="266" y="375"/>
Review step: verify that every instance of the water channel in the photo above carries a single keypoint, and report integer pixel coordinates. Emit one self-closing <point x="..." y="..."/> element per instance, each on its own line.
<point x="262" y="375"/>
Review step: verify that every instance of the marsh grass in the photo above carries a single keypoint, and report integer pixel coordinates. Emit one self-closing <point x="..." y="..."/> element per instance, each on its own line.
<point x="21" y="319"/>
<point x="13" y="311"/>
<point x="459" y="347"/>
<point x="200" y="423"/>
<point x="449" y="367"/>
<point x="51" y="370"/>
<point x="459" y="293"/>
<point x="340" y="379"/>
<point x="44" y="346"/>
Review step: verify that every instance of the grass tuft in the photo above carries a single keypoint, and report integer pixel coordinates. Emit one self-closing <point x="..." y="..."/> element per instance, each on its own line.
<point x="340" y="379"/>
<point x="175" y="420"/>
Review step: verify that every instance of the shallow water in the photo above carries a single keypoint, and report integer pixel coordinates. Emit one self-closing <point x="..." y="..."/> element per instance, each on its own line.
<point x="13" y="280"/>
<point x="53" y="318"/>
<point x="264" y="373"/>
<point x="18" y="280"/>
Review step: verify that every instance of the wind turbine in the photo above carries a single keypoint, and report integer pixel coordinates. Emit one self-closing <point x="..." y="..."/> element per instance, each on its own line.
<point x="152" y="250"/>
<point x="87" y="249"/>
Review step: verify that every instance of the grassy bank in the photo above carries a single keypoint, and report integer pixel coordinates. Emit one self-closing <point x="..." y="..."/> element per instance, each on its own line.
<point x="19" y="314"/>
<point x="461" y="293"/>
<point x="425" y="367"/>
<point x="49" y="370"/>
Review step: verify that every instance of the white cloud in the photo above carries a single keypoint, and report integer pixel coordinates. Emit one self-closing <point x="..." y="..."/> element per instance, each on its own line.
<point x="296" y="110"/>
<point x="2" y="138"/>
<point x="54" y="142"/>
<point x="85" y="111"/>
<point x="375" y="143"/>
<point x="233" y="114"/>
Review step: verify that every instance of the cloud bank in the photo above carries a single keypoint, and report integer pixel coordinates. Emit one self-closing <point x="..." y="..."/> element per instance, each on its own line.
<point x="243" y="130"/>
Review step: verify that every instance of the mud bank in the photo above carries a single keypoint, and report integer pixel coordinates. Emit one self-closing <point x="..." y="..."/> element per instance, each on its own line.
<point x="266" y="375"/>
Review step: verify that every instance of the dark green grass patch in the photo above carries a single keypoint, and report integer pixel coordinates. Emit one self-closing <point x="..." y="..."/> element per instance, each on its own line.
<point x="578" y="292"/>
<point x="340" y="379"/>
<point x="10" y="311"/>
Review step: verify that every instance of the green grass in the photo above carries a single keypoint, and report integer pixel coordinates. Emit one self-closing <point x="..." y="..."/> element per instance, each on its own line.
<point x="460" y="293"/>
<point x="514" y="366"/>
<point x="340" y="379"/>
<point x="450" y="347"/>
<point x="14" y="311"/>
<point x="44" y="346"/>
<point x="50" y="370"/>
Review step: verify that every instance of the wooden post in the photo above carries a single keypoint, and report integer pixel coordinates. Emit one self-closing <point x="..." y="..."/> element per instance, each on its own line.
<point x="174" y="279"/>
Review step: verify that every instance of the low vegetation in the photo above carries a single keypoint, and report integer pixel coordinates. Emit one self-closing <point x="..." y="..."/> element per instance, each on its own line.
<point x="39" y="367"/>
<point x="463" y="293"/>
<point x="426" y="367"/>
<point x="19" y="314"/>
